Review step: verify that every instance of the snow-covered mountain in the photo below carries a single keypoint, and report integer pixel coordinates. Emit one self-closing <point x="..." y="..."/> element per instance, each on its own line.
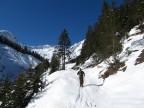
<point x="47" y="50"/>
<point x="12" y="61"/>
<point x="9" y="36"/>
<point x="76" y="49"/>
<point x="124" y="89"/>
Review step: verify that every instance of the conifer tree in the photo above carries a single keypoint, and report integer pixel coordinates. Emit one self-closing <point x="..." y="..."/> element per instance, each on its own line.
<point x="20" y="91"/>
<point x="5" y="93"/>
<point x="64" y="43"/>
<point x="37" y="82"/>
<point x="55" y="63"/>
<point x="88" y="46"/>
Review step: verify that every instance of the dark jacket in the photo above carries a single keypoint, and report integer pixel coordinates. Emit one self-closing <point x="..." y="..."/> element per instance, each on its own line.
<point x="80" y="73"/>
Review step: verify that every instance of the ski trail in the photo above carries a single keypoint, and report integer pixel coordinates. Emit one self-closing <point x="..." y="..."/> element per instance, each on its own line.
<point x="78" y="98"/>
<point x="83" y="100"/>
<point x="90" y="103"/>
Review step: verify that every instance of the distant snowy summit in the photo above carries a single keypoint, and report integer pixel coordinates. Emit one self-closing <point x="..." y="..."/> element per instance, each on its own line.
<point x="47" y="51"/>
<point x="44" y="50"/>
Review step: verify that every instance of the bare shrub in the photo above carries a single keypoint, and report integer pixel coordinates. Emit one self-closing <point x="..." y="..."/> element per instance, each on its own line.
<point x="113" y="67"/>
<point x="140" y="58"/>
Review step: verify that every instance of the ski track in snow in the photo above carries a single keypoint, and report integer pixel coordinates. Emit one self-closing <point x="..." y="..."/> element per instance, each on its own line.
<point x="76" y="96"/>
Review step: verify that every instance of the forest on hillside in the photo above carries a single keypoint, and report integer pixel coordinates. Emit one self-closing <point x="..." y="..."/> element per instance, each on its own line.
<point x="103" y="38"/>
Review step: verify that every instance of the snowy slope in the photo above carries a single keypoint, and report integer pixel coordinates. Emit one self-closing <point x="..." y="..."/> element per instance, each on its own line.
<point x="76" y="49"/>
<point x="122" y="90"/>
<point x="9" y="36"/>
<point x="11" y="61"/>
<point x="47" y="50"/>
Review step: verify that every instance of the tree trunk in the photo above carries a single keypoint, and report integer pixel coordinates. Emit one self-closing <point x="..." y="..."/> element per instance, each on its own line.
<point x="63" y="59"/>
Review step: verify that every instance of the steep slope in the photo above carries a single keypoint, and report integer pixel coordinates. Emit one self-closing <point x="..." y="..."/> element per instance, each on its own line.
<point x="121" y="90"/>
<point x="12" y="61"/>
<point x="76" y="49"/>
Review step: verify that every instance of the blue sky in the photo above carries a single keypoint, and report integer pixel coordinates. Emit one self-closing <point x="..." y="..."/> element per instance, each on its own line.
<point x="40" y="22"/>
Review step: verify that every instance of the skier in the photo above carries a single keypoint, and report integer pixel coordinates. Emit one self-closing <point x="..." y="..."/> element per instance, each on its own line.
<point x="81" y="77"/>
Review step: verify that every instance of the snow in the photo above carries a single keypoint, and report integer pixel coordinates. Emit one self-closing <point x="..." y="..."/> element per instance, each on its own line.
<point x="76" y="49"/>
<point x="134" y="30"/>
<point x="9" y="36"/>
<point x="63" y="91"/>
<point x="47" y="51"/>
<point x="122" y="90"/>
<point x="12" y="61"/>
